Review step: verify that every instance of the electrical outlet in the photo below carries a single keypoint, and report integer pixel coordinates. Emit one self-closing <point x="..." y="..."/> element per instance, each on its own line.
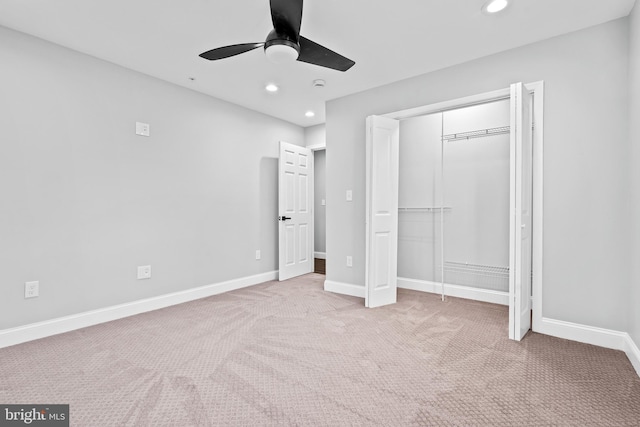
<point x="144" y="272"/>
<point x="349" y="261"/>
<point x="31" y="289"/>
<point x="258" y="254"/>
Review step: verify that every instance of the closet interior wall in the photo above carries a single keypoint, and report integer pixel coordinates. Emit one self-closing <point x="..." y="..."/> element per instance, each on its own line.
<point x="450" y="172"/>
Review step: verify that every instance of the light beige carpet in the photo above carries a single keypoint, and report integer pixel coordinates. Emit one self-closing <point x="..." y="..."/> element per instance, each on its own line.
<point x="291" y="354"/>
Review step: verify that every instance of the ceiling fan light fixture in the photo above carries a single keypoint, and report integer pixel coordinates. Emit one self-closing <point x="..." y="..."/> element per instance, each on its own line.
<point x="281" y="53"/>
<point x="494" y="6"/>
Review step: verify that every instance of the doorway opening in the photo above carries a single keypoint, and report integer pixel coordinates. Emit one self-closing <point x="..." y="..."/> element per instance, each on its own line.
<point x="301" y="205"/>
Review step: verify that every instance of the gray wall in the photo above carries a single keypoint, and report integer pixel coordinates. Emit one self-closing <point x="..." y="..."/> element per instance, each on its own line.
<point x="320" y="193"/>
<point x="634" y="115"/>
<point x="315" y="135"/>
<point x="586" y="173"/>
<point x="85" y="200"/>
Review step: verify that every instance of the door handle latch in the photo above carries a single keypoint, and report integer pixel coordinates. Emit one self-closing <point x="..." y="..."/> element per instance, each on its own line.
<point x="284" y="218"/>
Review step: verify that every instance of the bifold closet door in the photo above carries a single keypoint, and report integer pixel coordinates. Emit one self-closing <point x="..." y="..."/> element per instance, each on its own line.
<point x="382" y="147"/>
<point x="520" y="224"/>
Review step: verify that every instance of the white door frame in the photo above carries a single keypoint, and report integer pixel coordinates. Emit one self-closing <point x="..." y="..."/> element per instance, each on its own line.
<point x="317" y="147"/>
<point x="537" y="90"/>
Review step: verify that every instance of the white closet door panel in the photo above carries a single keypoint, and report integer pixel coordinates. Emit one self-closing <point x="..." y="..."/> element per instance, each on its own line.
<point x="382" y="211"/>
<point x="520" y="218"/>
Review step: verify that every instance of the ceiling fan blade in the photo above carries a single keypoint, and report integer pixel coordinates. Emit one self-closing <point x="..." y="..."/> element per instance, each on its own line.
<point x="313" y="53"/>
<point x="287" y="17"/>
<point x="227" y="51"/>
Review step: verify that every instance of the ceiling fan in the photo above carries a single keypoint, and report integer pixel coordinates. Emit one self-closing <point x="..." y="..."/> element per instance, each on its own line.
<point x="284" y="42"/>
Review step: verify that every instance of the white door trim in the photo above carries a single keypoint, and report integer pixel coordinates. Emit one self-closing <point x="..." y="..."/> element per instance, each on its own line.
<point x="454" y="104"/>
<point x="537" y="90"/>
<point x="317" y="147"/>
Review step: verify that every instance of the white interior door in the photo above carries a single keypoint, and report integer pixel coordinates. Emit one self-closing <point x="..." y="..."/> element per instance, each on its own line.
<point x="295" y="201"/>
<point x="520" y="218"/>
<point x="382" y="211"/>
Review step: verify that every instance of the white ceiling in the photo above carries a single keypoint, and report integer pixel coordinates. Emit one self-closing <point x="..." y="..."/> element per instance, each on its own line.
<point x="388" y="40"/>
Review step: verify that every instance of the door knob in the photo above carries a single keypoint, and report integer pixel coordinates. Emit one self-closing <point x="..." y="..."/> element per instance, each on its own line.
<point x="284" y="218"/>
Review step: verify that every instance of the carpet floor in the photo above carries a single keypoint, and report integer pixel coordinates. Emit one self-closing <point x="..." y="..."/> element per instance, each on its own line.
<point x="288" y="353"/>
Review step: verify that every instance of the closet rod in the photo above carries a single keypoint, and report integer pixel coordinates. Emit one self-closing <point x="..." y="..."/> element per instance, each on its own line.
<point x="476" y="134"/>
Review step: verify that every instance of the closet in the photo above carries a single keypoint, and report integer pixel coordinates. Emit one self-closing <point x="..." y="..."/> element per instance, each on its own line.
<point x="453" y="202"/>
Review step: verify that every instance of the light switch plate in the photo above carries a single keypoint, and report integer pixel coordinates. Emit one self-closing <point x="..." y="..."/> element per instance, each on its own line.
<point x="349" y="195"/>
<point x="31" y="289"/>
<point x="142" y="129"/>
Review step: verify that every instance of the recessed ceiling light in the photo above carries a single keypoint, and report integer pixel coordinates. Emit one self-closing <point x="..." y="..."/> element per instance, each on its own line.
<point x="271" y="87"/>
<point x="309" y="114"/>
<point x="495" y="6"/>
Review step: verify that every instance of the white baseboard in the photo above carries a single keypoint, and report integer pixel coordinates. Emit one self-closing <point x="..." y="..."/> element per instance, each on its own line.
<point x="633" y="353"/>
<point x="494" y="297"/>
<point x="601" y="337"/>
<point x="60" y="325"/>
<point x="344" y="288"/>
<point x="320" y="255"/>
<point x="458" y="291"/>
